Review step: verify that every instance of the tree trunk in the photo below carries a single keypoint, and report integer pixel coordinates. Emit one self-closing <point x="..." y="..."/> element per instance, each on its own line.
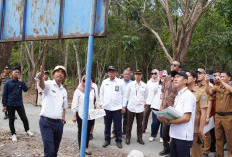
<point x="21" y="59"/>
<point x="66" y="57"/>
<point x="78" y="62"/>
<point x="5" y="53"/>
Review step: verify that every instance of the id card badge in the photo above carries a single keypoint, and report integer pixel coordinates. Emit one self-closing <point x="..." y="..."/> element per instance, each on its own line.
<point x="116" y="88"/>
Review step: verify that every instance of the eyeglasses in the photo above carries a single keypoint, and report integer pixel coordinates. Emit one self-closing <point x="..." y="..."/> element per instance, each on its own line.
<point x="174" y="65"/>
<point x="153" y="73"/>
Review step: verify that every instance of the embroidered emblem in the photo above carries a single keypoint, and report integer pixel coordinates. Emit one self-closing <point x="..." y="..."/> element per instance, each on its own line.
<point x="204" y="98"/>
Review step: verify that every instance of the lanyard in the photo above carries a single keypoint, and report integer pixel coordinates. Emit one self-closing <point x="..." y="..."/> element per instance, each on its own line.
<point x="137" y="89"/>
<point x="176" y="102"/>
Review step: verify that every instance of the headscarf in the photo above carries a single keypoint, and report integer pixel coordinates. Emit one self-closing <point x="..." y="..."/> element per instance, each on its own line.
<point x="157" y="79"/>
<point x="81" y="87"/>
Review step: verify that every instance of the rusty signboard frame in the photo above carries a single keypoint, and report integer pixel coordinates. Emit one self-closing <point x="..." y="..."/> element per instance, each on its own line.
<point x="23" y="20"/>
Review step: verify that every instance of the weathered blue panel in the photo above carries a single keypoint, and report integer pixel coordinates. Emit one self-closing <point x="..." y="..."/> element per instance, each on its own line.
<point x="78" y="22"/>
<point x="13" y="20"/>
<point x="42" y="19"/>
<point x="50" y="19"/>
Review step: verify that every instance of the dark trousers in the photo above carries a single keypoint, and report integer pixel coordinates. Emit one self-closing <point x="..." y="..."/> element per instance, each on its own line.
<point x="36" y="99"/>
<point x="139" y="120"/>
<point x="22" y="115"/>
<point x="147" y="112"/>
<point x="51" y="133"/>
<point x="116" y="116"/>
<point x="79" y="126"/>
<point x="166" y="137"/>
<point x="180" y="148"/>
<point x="124" y="122"/>
<point x="155" y="126"/>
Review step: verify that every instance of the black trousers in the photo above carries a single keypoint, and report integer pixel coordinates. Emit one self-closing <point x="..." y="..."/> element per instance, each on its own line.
<point x="166" y="137"/>
<point x="22" y="115"/>
<point x="79" y="126"/>
<point x="124" y="122"/>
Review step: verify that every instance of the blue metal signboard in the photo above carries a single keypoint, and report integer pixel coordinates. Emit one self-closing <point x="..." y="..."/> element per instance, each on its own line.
<point x="50" y="19"/>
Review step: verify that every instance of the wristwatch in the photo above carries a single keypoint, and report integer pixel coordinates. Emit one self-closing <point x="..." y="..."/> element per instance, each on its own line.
<point x="207" y="116"/>
<point x="168" y="123"/>
<point x="63" y="121"/>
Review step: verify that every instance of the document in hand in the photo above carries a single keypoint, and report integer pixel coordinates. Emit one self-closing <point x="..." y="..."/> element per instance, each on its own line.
<point x="97" y="113"/>
<point x="209" y="126"/>
<point x="169" y="113"/>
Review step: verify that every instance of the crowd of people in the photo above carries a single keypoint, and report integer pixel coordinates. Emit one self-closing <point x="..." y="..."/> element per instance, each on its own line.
<point x="197" y="94"/>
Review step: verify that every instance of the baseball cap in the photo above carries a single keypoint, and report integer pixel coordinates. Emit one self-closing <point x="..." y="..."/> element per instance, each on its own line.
<point x="138" y="71"/>
<point x="17" y="68"/>
<point x="7" y="67"/>
<point x="111" y="68"/>
<point x="182" y="73"/>
<point x="59" y="67"/>
<point x="201" y="70"/>
<point x="46" y="72"/>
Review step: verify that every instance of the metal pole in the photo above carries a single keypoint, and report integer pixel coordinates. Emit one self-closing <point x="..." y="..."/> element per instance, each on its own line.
<point x="87" y="81"/>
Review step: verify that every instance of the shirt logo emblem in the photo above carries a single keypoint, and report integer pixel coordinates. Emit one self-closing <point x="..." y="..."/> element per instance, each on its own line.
<point x="204" y="98"/>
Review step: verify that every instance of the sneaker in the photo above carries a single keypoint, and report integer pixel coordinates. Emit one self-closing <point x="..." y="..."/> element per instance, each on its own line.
<point x="151" y="139"/>
<point x="161" y="140"/>
<point x="29" y="133"/>
<point x="14" y="138"/>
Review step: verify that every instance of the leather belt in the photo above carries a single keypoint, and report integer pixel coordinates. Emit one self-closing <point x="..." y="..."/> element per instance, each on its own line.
<point x="50" y="119"/>
<point x="224" y="114"/>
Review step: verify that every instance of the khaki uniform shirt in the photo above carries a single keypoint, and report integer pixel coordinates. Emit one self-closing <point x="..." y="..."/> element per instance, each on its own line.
<point x="201" y="102"/>
<point x="3" y="79"/>
<point x="169" y="92"/>
<point x="223" y="99"/>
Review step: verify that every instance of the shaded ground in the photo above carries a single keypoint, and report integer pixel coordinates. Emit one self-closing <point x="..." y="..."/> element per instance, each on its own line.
<point x="32" y="146"/>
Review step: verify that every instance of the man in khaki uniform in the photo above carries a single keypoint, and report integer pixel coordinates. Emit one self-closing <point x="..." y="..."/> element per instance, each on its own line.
<point x="202" y="84"/>
<point x="223" y="117"/>
<point x="200" y="115"/>
<point x="3" y="78"/>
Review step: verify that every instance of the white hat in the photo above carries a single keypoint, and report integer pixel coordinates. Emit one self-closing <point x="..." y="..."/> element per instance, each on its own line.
<point x="59" y="67"/>
<point x="135" y="153"/>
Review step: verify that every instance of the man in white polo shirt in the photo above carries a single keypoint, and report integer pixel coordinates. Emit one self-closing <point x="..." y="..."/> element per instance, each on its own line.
<point x="52" y="116"/>
<point x="182" y="129"/>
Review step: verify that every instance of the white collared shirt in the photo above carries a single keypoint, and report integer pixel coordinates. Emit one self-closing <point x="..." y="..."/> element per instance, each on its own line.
<point x="78" y="102"/>
<point x="185" y="102"/>
<point x="152" y="86"/>
<point x="136" y="95"/>
<point x="111" y="94"/>
<point x="54" y="100"/>
<point x="156" y="101"/>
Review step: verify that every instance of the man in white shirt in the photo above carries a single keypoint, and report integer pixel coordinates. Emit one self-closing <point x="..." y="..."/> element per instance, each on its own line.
<point x="111" y="99"/>
<point x="182" y="129"/>
<point x="136" y="95"/>
<point x="52" y="115"/>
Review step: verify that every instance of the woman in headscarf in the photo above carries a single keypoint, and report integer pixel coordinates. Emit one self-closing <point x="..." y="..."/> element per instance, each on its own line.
<point x="77" y="108"/>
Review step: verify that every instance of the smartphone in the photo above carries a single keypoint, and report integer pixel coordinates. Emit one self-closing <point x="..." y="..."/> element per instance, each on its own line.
<point x="211" y="77"/>
<point x="199" y="141"/>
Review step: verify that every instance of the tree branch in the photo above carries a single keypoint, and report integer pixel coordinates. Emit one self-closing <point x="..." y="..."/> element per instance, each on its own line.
<point x="159" y="39"/>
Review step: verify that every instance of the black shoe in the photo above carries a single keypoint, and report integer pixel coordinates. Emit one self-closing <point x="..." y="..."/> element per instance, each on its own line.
<point x="88" y="153"/>
<point x="90" y="136"/>
<point x="106" y="143"/>
<point x="127" y="141"/>
<point x="205" y="155"/>
<point x="167" y="155"/>
<point x="5" y="117"/>
<point x="119" y="144"/>
<point x="140" y="141"/>
<point x="144" y="131"/>
<point x="164" y="152"/>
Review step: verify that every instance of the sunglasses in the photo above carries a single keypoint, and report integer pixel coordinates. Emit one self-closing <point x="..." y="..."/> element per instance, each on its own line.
<point x="138" y="74"/>
<point x="174" y="65"/>
<point x="153" y="73"/>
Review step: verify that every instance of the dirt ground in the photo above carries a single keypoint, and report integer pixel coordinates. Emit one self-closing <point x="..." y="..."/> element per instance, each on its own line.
<point x="33" y="147"/>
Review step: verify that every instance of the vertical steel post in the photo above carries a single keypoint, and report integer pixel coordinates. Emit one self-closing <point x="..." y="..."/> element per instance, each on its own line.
<point x="87" y="81"/>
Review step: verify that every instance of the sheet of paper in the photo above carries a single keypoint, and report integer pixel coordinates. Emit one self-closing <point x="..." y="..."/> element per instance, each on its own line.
<point x="97" y="113"/>
<point x="209" y="126"/>
<point x="169" y="113"/>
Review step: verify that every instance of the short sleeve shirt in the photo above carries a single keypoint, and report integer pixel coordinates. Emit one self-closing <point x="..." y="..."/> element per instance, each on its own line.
<point x="223" y="99"/>
<point x="201" y="102"/>
<point x="54" y="100"/>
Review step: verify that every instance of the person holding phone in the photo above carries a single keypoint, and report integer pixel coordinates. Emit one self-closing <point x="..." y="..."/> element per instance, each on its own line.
<point x="13" y="101"/>
<point x="200" y="115"/>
